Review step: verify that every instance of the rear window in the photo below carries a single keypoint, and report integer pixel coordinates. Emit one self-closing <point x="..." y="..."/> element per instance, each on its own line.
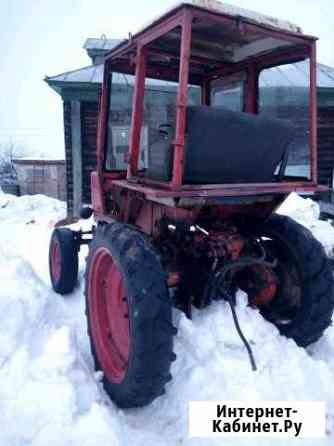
<point x="228" y="92"/>
<point x="284" y="94"/>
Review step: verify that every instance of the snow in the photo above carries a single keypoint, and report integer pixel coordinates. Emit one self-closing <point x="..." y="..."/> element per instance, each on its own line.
<point x="231" y="10"/>
<point x="307" y="213"/>
<point x="50" y="394"/>
<point x="236" y="11"/>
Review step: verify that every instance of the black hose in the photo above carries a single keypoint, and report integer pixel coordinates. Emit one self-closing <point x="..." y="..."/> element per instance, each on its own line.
<point x="220" y="277"/>
<point x="242" y="263"/>
<point x="240" y="333"/>
<point x="219" y="284"/>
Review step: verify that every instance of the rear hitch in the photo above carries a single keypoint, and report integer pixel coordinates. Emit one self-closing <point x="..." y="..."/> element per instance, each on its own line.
<point x="80" y="239"/>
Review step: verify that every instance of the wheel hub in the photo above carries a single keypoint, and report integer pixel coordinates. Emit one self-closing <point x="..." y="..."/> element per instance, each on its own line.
<point x="109" y="315"/>
<point x="261" y="285"/>
<point x="55" y="260"/>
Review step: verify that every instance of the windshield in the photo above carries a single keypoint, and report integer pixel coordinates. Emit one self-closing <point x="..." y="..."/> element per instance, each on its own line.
<point x="158" y="116"/>
<point x="119" y="120"/>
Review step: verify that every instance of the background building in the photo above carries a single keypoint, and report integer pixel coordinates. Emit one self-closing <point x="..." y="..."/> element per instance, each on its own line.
<point x="37" y="176"/>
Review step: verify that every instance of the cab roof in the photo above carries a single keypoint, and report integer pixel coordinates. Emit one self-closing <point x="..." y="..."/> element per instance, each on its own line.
<point x="221" y="35"/>
<point x="232" y="11"/>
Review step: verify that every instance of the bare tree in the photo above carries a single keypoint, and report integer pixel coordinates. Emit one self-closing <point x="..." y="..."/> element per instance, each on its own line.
<point x="8" y="152"/>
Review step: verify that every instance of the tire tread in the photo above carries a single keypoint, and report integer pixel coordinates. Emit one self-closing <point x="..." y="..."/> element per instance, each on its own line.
<point x="152" y="333"/>
<point x="317" y="277"/>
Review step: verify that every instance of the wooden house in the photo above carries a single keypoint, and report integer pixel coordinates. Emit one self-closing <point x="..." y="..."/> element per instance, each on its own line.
<point x="41" y="176"/>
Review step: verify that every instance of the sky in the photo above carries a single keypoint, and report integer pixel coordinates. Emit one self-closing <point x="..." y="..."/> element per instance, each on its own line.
<point x="45" y="37"/>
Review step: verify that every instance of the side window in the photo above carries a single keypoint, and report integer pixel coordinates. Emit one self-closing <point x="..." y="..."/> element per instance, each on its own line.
<point x="160" y="106"/>
<point x="119" y="120"/>
<point x="284" y="94"/>
<point x="119" y="124"/>
<point x="228" y="92"/>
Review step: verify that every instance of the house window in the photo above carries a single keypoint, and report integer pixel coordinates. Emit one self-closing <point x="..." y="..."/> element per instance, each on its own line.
<point x="120" y="138"/>
<point x="38" y="173"/>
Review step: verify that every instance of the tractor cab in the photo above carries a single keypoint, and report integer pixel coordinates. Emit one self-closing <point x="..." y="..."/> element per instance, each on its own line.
<point x="189" y="108"/>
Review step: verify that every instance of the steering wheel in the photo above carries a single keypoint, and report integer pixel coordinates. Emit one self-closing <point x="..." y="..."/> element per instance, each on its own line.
<point x="162" y="127"/>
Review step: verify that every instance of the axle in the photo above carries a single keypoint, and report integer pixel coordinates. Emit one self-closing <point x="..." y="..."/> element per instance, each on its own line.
<point x="205" y="263"/>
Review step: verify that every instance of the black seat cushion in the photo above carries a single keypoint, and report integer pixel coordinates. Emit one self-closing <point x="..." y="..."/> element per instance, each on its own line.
<point x="160" y="155"/>
<point x="224" y="146"/>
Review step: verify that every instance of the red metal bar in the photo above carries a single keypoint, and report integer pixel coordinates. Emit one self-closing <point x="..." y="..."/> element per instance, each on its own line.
<point x="241" y="186"/>
<point x="221" y="190"/>
<point x="160" y="28"/>
<point x="182" y="98"/>
<point x="137" y="111"/>
<point x="287" y="55"/>
<point x="164" y="25"/>
<point x="98" y="197"/>
<point x="160" y="184"/>
<point x="313" y="114"/>
<point x="121" y="50"/>
<point x="103" y="118"/>
<point x="206" y="93"/>
<point x="193" y="59"/>
<point x="279" y="34"/>
<point x="153" y="71"/>
<point x="144" y="37"/>
<point x="251" y="89"/>
<point x="264" y="29"/>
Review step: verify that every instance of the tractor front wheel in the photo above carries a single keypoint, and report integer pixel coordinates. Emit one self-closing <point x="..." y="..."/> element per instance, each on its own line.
<point x="129" y="315"/>
<point x="63" y="260"/>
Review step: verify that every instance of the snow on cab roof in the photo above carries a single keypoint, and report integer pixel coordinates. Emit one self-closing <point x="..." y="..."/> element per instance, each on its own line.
<point x="233" y="11"/>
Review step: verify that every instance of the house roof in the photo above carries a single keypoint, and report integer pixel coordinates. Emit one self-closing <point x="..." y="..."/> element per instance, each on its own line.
<point x="92" y="74"/>
<point x="91" y="77"/>
<point x="293" y="75"/>
<point x="296" y="75"/>
<point x="98" y="48"/>
<point x="100" y="44"/>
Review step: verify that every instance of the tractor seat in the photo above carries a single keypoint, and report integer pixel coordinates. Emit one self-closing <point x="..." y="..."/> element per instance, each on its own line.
<point x="224" y="146"/>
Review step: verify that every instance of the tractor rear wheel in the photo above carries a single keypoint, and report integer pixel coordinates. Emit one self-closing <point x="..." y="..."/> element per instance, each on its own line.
<point x="303" y="305"/>
<point x="63" y="260"/>
<point x="129" y="315"/>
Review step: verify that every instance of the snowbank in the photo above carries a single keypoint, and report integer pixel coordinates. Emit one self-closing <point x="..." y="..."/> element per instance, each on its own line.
<point x="307" y="212"/>
<point x="50" y="394"/>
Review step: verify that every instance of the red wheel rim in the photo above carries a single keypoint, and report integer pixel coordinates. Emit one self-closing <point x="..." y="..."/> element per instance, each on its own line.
<point x="55" y="260"/>
<point x="109" y="315"/>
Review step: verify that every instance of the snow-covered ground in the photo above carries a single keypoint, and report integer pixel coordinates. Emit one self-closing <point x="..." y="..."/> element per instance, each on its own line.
<point x="49" y="393"/>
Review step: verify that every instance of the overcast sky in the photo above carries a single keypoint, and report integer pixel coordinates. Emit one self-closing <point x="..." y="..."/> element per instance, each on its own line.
<point x="45" y="37"/>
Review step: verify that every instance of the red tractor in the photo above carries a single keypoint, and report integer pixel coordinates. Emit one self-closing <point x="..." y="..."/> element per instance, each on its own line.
<point x="193" y="158"/>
